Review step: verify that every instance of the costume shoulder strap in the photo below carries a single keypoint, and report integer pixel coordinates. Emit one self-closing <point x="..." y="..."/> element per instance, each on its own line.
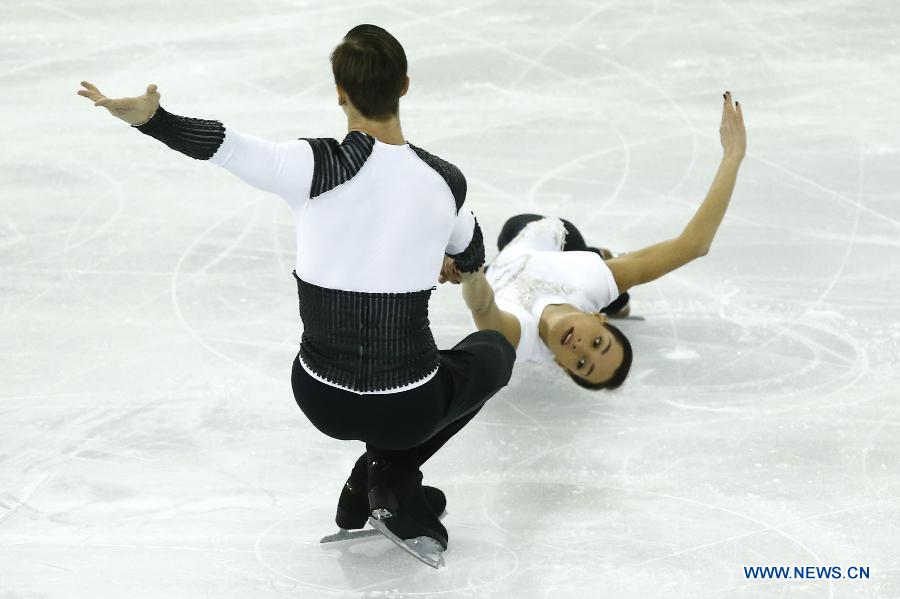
<point x="452" y="175"/>
<point x="336" y="163"/>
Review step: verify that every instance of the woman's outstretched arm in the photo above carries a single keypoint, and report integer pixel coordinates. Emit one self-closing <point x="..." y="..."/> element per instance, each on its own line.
<point x="695" y="240"/>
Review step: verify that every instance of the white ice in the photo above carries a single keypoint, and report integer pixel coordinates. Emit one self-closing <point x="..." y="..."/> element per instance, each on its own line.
<point x="150" y="446"/>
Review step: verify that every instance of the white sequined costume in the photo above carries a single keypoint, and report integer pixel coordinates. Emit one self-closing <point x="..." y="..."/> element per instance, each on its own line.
<point x="533" y="272"/>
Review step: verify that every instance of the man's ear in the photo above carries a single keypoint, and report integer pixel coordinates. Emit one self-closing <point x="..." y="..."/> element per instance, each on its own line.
<point x="405" y="87"/>
<point x="341" y="95"/>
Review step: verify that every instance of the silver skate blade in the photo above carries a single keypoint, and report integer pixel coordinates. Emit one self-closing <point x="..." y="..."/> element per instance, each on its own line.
<point x="631" y="318"/>
<point x="347" y="535"/>
<point x="425" y="549"/>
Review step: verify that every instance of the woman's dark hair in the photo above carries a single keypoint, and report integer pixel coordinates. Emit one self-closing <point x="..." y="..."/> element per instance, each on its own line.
<point x="370" y="65"/>
<point x="618" y="377"/>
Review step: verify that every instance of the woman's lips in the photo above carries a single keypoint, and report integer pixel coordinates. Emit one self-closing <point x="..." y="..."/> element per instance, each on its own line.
<point x="568" y="336"/>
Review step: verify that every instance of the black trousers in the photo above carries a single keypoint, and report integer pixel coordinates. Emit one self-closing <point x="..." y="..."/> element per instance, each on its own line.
<point x="574" y="243"/>
<point x="412" y="425"/>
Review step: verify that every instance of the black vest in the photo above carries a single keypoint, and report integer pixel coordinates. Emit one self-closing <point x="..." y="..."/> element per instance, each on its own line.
<point x="366" y="341"/>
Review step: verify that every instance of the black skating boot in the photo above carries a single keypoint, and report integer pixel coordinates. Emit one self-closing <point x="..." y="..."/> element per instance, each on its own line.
<point x="353" y="504"/>
<point x="353" y="507"/>
<point x="397" y="501"/>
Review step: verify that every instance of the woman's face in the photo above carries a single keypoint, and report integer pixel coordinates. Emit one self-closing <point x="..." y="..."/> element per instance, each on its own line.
<point x="583" y="345"/>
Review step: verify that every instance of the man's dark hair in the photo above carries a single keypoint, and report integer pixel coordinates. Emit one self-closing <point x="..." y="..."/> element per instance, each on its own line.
<point x="370" y="65"/>
<point x="618" y="377"/>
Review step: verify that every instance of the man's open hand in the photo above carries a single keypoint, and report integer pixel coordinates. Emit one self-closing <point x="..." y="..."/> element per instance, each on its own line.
<point x="134" y="111"/>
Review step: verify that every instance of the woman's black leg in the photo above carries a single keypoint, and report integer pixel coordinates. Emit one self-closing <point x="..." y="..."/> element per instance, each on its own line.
<point x="574" y="240"/>
<point x="513" y="226"/>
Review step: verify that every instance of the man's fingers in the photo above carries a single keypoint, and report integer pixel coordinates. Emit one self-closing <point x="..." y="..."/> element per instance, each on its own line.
<point x="90" y="91"/>
<point x="90" y="95"/>
<point x="151" y="89"/>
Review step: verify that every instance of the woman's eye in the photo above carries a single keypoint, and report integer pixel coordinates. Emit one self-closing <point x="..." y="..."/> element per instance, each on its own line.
<point x="580" y="364"/>
<point x="597" y="342"/>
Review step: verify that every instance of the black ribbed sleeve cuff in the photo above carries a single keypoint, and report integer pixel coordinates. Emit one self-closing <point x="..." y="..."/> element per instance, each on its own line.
<point x="471" y="258"/>
<point x="197" y="138"/>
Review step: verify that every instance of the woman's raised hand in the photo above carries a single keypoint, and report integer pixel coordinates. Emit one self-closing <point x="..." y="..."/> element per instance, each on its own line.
<point x="134" y="111"/>
<point x="731" y="131"/>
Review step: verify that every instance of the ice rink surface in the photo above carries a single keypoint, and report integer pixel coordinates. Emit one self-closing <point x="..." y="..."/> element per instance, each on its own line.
<point x="150" y="445"/>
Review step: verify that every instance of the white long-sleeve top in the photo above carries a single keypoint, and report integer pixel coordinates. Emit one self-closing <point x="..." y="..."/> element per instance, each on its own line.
<point x="372" y="219"/>
<point x="384" y="230"/>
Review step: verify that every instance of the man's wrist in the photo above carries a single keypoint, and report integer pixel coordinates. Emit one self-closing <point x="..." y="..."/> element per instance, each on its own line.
<point x="150" y="118"/>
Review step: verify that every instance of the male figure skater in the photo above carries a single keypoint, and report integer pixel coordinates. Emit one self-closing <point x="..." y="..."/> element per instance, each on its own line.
<point x="375" y="216"/>
<point x="546" y="289"/>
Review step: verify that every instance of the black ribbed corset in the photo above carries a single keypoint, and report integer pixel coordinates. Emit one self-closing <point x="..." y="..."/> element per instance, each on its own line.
<point x="366" y="341"/>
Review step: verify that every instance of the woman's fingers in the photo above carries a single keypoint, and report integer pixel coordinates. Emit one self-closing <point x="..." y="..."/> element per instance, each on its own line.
<point x="731" y="111"/>
<point x="726" y="108"/>
<point x="731" y="131"/>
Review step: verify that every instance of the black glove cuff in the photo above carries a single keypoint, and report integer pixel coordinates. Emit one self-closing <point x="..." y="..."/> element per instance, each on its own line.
<point x="471" y="258"/>
<point x="197" y="138"/>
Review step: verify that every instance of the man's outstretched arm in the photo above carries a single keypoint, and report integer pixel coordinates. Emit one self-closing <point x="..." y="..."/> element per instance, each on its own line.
<point x="282" y="168"/>
<point x="652" y="262"/>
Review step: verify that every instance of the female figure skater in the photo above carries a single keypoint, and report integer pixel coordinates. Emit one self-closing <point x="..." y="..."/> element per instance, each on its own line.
<point x="546" y="289"/>
<point x="375" y="216"/>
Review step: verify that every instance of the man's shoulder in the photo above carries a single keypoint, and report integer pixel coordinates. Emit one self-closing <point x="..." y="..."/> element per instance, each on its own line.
<point x="337" y="162"/>
<point x="451" y="174"/>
